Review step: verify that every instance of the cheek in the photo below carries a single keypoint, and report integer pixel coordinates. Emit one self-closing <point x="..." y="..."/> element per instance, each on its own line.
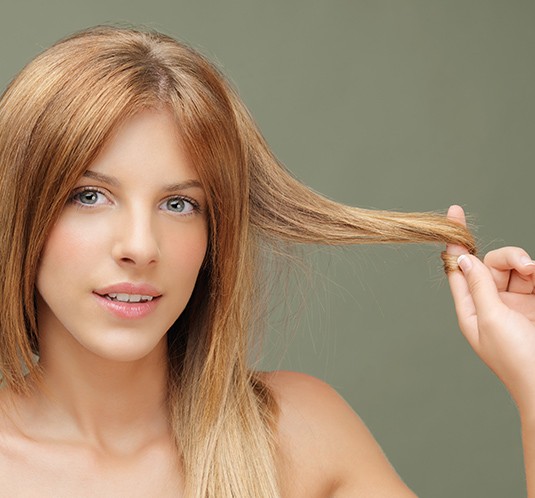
<point x="187" y="251"/>
<point x="68" y="250"/>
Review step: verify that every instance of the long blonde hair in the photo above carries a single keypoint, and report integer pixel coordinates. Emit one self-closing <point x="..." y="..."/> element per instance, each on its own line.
<point x="54" y="119"/>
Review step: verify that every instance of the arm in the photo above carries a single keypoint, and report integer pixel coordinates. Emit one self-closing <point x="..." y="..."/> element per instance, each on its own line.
<point x="495" y="305"/>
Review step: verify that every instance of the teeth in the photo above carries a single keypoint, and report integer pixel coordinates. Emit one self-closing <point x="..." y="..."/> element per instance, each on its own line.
<point x="129" y="298"/>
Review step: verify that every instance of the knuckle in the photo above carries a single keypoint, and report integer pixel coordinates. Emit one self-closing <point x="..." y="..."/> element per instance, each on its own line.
<point x="477" y="285"/>
<point x="501" y="253"/>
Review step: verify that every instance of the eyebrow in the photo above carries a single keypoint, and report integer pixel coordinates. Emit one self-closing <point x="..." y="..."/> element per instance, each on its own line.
<point x="110" y="180"/>
<point x="183" y="185"/>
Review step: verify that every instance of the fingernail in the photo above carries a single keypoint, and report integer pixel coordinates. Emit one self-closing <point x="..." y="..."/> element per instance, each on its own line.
<point x="527" y="261"/>
<point x="464" y="263"/>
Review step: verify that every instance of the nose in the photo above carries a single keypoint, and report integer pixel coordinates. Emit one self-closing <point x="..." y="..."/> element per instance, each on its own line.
<point x="136" y="242"/>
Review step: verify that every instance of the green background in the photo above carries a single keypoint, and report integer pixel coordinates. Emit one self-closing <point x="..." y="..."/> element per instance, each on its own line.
<point x="409" y="105"/>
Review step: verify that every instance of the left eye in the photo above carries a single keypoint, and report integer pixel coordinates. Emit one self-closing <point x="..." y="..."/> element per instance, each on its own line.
<point x="89" y="197"/>
<point x="179" y="205"/>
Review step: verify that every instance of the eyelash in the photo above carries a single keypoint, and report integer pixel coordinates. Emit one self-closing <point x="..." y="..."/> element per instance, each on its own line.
<point x="73" y="199"/>
<point x="195" y="206"/>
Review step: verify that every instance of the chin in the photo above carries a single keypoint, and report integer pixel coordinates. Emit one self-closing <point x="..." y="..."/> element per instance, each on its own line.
<point x="127" y="349"/>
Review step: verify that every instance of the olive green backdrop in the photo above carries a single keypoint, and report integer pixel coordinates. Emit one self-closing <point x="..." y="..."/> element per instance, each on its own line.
<point x="408" y="105"/>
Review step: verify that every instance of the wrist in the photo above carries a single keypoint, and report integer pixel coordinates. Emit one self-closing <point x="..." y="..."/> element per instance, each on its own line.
<point x="526" y="411"/>
<point x="522" y="393"/>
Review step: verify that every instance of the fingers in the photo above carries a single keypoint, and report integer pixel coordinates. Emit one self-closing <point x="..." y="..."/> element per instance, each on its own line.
<point x="456" y="213"/>
<point x="462" y="298"/>
<point x="521" y="284"/>
<point x="481" y="286"/>
<point x="485" y="293"/>
<point x="512" y="269"/>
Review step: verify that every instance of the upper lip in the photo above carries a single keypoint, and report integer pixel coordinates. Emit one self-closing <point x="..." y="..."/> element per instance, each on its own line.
<point x="142" y="289"/>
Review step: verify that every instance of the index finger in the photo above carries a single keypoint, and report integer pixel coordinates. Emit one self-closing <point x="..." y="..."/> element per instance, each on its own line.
<point x="462" y="297"/>
<point x="456" y="213"/>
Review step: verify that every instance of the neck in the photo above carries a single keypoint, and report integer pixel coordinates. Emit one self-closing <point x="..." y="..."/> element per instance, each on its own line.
<point x="115" y="406"/>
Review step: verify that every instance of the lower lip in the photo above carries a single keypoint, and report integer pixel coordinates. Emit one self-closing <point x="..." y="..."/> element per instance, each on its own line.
<point x="129" y="311"/>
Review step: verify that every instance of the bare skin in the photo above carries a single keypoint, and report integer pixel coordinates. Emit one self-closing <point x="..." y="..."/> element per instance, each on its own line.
<point x="37" y="459"/>
<point x="325" y="450"/>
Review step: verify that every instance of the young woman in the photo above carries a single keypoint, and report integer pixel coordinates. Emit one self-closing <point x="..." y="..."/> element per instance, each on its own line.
<point x="138" y="199"/>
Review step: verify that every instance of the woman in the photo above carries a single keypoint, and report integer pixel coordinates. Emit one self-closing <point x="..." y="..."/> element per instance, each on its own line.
<point x="139" y="198"/>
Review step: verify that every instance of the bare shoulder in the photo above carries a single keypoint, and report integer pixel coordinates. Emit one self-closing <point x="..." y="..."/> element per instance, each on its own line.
<point x="325" y="448"/>
<point x="12" y="453"/>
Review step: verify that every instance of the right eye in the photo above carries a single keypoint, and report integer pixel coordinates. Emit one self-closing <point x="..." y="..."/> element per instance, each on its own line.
<point x="86" y="197"/>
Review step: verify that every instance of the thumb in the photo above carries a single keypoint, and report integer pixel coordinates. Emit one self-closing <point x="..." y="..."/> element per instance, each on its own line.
<point x="481" y="285"/>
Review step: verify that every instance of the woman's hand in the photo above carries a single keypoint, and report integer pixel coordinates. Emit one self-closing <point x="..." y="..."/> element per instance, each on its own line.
<point x="495" y="305"/>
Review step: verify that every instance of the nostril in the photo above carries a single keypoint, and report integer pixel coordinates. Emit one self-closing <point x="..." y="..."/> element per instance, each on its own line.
<point x="138" y="256"/>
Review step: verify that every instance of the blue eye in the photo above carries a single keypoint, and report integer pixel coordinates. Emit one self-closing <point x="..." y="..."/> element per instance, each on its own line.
<point x="180" y="205"/>
<point x="89" y="197"/>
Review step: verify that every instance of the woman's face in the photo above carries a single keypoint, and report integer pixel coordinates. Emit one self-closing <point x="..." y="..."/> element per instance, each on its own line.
<point x="121" y="262"/>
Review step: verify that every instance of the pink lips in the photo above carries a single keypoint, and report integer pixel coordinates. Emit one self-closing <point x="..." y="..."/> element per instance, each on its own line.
<point x="129" y="288"/>
<point x="128" y="310"/>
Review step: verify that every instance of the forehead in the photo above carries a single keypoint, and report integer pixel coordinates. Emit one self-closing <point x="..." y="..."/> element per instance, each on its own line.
<point x="147" y="145"/>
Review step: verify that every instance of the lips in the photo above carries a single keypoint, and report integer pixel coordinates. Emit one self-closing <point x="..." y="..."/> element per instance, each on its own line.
<point x="128" y="289"/>
<point x="128" y="300"/>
